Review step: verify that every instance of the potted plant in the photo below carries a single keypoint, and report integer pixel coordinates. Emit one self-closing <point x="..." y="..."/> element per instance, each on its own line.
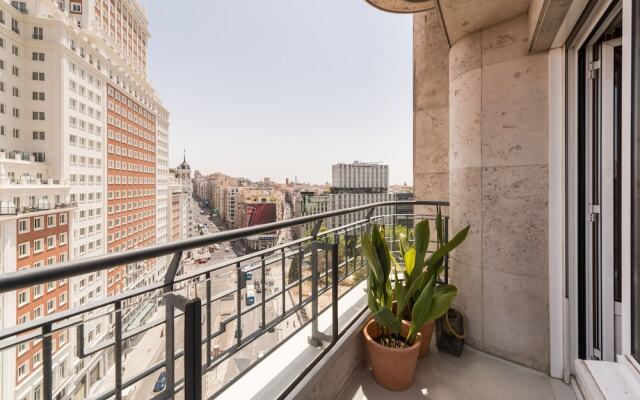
<point x="402" y="310"/>
<point x="416" y="263"/>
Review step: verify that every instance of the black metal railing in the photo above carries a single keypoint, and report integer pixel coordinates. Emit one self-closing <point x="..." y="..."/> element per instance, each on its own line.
<point x="221" y="310"/>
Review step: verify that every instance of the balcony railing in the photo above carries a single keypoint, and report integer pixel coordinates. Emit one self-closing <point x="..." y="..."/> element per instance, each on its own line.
<point x="213" y="302"/>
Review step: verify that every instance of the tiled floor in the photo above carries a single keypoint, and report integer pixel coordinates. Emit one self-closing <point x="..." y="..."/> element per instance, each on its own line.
<point x="473" y="376"/>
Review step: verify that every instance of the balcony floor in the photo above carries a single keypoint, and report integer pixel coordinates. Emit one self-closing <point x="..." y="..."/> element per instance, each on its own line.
<point x="475" y="375"/>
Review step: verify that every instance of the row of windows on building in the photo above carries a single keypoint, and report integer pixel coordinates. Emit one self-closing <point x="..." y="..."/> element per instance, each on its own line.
<point x="83" y="142"/>
<point x="85" y="161"/>
<point x="37" y="246"/>
<point x="146" y="238"/>
<point x="130" y="180"/>
<point x="86" y="197"/>
<point x="82" y="179"/>
<point x="26" y="225"/>
<point x="133" y="154"/>
<point x="131" y="140"/>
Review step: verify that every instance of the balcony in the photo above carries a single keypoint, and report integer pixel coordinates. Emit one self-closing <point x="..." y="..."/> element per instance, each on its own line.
<point x="270" y="324"/>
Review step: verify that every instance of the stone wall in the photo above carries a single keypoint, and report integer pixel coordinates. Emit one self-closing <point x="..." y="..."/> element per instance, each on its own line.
<point x="498" y="156"/>
<point x="431" y="108"/>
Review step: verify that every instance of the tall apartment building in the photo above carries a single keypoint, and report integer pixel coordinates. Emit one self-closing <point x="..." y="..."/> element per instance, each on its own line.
<point x="83" y="130"/>
<point x="360" y="176"/>
<point x="357" y="184"/>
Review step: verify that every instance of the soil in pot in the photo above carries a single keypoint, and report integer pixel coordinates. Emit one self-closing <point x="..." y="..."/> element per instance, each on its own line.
<point x="393" y="367"/>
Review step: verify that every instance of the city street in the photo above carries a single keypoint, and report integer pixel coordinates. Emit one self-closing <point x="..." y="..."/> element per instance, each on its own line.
<point x="150" y="348"/>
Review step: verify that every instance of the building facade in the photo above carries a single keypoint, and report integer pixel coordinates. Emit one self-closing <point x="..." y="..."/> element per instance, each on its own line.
<point x="78" y="112"/>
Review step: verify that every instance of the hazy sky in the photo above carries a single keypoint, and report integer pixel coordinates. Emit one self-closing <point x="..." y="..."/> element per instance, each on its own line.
<point x="284" y="88"/>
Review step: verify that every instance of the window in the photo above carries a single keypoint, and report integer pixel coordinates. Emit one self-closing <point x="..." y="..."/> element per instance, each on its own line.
<point x="38" y="246"/>
<point x="22" y="370"/>
<point x="23" y="298"/>
<point x="37" y="76"/>
<point x="23" y="225"/>
<point x="15" y="70"/>
<point x="38" y="115"/>
<point x="15" y="50"/>
<point x="23" y="250"/>
<point x="36" y="56"/>
<point x="39" y="96"/>
<point x="15" y="91"/>
<point x="14" y="26"/>
<point x="38" y="135"/>
<point x="38" y="223"/>
<point x="38" y="33"/>
<point x="37" y="291"/>
<point x="76" y="8"/>
<point x="51" y="242"/>
<point x="62" y="238"/>
<point x="37" y="359"/>
<point x="51" y="305"/>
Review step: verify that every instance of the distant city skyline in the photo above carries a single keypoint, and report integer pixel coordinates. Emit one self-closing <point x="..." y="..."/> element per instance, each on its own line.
<point x="309" y="85"/>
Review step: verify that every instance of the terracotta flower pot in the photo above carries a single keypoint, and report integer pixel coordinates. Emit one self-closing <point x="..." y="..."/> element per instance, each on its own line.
<point x="427" y="333"/>
<point x="392" y="368"/>
<point x="426" y="330"/>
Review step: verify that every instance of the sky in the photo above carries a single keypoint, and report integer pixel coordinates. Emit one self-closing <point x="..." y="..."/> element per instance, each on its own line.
<point x="284" y="88"/>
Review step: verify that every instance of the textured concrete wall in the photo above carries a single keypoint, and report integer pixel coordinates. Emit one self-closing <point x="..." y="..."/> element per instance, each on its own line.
<point x="498" y="156"/>
<point x="431" y="107"/>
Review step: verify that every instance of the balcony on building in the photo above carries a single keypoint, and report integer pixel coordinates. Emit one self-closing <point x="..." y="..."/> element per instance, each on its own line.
<point x="26" y="185"/>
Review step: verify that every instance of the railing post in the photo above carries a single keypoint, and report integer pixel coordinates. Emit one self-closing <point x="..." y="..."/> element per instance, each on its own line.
<point x="300" y="261"/>
<point x="118" y="349"/>
<point x="208" y="278"/>
<point x="314" y="340"/>
<point x="47" y="364"/>
<point x="284" y="282"/>
<point x="169" y="316"/>
<point x="317" y="337"/>
<point x="263" y="306"/>
<point x="334" y="292"/>
<point x="192" y="350"/>
<point x="446" y="258"/>
<point x="239" y="304"/>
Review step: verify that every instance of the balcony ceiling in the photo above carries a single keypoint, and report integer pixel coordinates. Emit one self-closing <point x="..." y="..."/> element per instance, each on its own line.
<point x="461" y="17"/>
<point x="403" y="6"/>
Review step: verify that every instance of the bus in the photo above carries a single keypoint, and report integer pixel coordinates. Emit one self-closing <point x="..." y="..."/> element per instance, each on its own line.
<point x="250" y="297"/>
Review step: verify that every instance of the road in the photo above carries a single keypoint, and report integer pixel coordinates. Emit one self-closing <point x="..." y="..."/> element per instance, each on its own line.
<point x="150" y="349"/>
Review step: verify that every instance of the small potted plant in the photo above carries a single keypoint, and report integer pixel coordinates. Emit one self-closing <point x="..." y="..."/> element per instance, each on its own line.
<point x="393" y="342"/>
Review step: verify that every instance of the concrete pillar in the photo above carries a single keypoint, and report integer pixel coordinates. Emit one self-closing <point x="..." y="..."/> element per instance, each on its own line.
<point x="431" y="107"/>
<point x="498" y="159"/>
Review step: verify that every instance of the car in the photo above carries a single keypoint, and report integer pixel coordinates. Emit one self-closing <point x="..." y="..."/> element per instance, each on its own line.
<point x="161" y="382"/>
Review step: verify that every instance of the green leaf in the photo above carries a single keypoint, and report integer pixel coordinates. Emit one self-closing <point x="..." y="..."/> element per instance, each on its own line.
<point x="404" y="244"/>
<point x="381" y="249"/>
<point x="438" y="256"/>
<point x="372" y="257"/>
<point x="421" y="308"/>
<point x="409" y="262"/>
<point x="385" y="318"/>
<point x="421" y="245"/>
<point x="441" y="302"/>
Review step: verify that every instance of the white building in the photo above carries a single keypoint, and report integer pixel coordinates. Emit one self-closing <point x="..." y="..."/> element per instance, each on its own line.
<point x="183" y="173"/>
<point x="360" y="175"/>
<point x="56" y="60"/>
